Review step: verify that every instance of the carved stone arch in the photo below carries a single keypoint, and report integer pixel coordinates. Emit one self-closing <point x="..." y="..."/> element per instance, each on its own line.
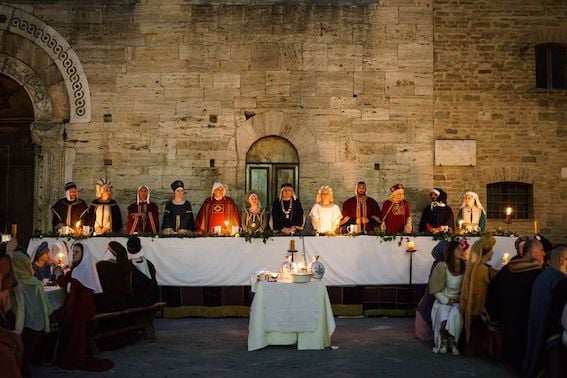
<point x="548" y="35"/>
<point x="31" y="82"/>
<point x="515" y="174"/>
<point x="38" y="32"/>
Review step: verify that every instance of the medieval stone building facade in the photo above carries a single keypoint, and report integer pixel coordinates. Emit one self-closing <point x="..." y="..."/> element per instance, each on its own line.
<point x="252" y="93"/>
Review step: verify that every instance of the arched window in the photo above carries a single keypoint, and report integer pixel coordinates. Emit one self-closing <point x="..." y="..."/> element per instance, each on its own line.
<point x="270" y="162"/>
<point x="516" y="195"/>
<point x="551" y="66"/>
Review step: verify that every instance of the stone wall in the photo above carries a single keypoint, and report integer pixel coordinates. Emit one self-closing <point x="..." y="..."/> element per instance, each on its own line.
<point x="485" y="91"/>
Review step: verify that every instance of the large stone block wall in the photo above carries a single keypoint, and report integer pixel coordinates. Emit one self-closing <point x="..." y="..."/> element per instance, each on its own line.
<point x="485" y="90"/>
<point x="353" y="80"/>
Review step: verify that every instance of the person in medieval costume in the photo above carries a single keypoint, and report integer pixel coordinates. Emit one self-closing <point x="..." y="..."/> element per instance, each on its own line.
<point x="104" y="212"/>
<point x="143" y="215"/>
<point x="472" y="214"/>
<point x="287" y="213"/>
<point x="396" y="212"/>
<point x="361" y="211"/>
<point x="145" y="290"/>
<point x="437" y="216"/>
<point x="178" y="214"/>
<point x="218" y="210"/>
<point x="70" y="210"/>
<point x="325" y="214"/>
<point x="253" y="218"/>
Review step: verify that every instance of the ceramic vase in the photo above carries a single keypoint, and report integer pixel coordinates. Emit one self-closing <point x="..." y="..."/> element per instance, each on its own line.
<point x="316" y="268"/>
<point x="286" y="268"/>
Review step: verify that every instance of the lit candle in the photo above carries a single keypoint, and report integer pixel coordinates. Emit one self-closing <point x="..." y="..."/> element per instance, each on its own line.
<point x="78" y="225"/>
<point x="292" y="245"/>
<point x="411" y="246"/>
<point x="505" y="258"/>
<point x="60" y="257"/>
<point x="536" y="228"/>
<point x="14" y="229"/>
<point x="461" y="224"/>
<point x="226" y="226"/>
<point x="508" y="211"/>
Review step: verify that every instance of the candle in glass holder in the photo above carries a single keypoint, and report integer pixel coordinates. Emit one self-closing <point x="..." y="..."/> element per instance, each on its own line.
<point x="292" y="245"/>
<point x="226" y="226"/>
<point x="461" y="225"/>
<point x="59" y="258"/>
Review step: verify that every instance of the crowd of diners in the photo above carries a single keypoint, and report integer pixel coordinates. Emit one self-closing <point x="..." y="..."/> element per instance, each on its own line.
<point x="220" y="215"/>
<point x="517" y="315"/>
<point x="124" y="279"/>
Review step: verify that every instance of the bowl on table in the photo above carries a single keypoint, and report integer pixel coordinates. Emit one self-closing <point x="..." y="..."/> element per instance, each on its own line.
<point x="300" y="277"/>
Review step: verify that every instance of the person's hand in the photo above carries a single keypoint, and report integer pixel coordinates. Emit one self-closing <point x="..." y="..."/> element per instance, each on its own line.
<point x="183" y="231"/>
<point x="364" y="220"/>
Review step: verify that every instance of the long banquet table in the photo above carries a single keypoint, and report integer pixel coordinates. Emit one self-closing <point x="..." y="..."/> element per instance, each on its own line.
<point x="231" y="261"/>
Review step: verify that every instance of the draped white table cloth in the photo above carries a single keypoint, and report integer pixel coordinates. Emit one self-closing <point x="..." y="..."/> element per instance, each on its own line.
<point x="55" y="296"/>
<point x="226" y="261"/>
<point x="288" y="313"/>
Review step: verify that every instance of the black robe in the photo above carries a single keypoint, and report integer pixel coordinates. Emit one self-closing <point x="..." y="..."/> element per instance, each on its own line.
<point x="281" y="220"/>
<point x="145" y="290"/>
<point x="116" y="215"/>
<point x="439" y="216"/>
<point x="185" y="213"/>
<point x="68" y="213"/>
<point x="116" y="287"/>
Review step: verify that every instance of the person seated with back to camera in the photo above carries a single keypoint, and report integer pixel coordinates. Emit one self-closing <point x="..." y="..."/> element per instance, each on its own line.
<point x="144" y="284"/>
<point x="115" y="274"/>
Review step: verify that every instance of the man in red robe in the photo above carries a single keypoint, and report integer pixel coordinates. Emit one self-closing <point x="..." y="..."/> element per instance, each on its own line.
<point x="143" y="215"/>
<point x="361" y="211"/>
<point x="396" y="212"/>
<point x="218" y="210"/>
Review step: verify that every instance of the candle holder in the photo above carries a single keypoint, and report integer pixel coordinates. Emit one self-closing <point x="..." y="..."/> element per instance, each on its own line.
<point x="292" y="252"/>
<point x="410" y="288"/>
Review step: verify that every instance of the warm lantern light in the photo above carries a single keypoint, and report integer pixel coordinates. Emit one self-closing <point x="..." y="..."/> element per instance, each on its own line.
<point x="411" y="246"/>
<point x="505" y="258"/>
<point x="508" y="211"/>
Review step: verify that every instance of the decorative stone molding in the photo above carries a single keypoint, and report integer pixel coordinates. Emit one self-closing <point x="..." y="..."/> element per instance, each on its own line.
<point x="44" y="36"/>
<point x="27" y="78"/>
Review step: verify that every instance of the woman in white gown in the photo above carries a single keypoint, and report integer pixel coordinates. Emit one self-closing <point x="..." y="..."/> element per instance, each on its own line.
<point x="325" y="214"/>
<point x="445" y="285"/>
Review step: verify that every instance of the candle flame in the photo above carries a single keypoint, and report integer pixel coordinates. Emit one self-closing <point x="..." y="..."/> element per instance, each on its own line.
<point x="226" y="223"/>
<point x="60" y="255"/>
<point x="508" y="211"/>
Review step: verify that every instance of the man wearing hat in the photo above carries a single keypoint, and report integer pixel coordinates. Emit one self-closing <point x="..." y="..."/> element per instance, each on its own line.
<point x="178" y="214"/>
<point x="143" y="215"/>
<point x="396" y="211"/>
<point x="104" y="211"/>
<point x="287" y="213"/>
<point x="438" y="214"/>
<point x="218" y="210"/>
<point x="69" y="210"/>
<point x="144" y="284"/>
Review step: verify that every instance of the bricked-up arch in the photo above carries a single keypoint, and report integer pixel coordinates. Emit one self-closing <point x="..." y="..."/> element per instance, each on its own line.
<point x="33" y="29"/>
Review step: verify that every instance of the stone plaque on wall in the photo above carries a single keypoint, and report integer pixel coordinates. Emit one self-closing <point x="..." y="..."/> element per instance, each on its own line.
<point x="455" y="152"/>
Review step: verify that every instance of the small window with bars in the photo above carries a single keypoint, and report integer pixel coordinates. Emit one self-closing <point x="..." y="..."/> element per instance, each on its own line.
<point x="515" y="195"/>
<point x="551" y="66"/>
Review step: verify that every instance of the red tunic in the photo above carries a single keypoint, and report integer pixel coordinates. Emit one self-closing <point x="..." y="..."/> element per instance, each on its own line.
<point x="215" y="213"/>
<point x="146" y="226"/>
<point x="395" y="218"/>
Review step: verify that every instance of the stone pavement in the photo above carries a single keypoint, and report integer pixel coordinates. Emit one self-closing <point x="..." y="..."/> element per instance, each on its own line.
<point x="196" y="347"/>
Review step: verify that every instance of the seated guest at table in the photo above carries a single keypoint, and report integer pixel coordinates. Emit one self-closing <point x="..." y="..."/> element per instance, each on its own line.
<point x="7" y="280"/>
<point x="31" y="308"/>
<point x="438" y="214"/>
<point x="396" y="212"/>
<point x="472" y="214"/>
<point x="519" y="246"/>
<point x="445" y="285"/>
<point x="115" y="274"/>
<point x="70" y="211"/>
<point x="508" y="301"/>
<point x="178" y="215"/>
<point x="423" y="327"/>
<point x="287" y="215"/>
<point x="79" y="308"/>
<point x="218" y="210"/>
<point x="478" y="275"/>
<point x="42" y="262"/>
<point x="253" y="216"/>
<point x="144" y="285"/>
<point x="104" y="212"/>
<point x="143" y="215"/>
<point x="361" y="211"/>
<point x="325" y="214"/>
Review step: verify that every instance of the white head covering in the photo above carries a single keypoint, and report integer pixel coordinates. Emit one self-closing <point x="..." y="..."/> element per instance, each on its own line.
<point x="86" y="272"/>
<point x="60" y="247"/>
<point x="475" y="200"/>
<point x="102" y="182"/>
<point x="359" y="182"/>
<point x="217" y="185"/>
<point x="138" y="194"/>
<point x="285" y="186"/>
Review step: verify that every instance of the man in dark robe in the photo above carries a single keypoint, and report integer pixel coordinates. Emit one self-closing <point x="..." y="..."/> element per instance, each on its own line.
<point x="287" y="213"/>
<point x="144" y="284"/>
<point x="438" y="214"/>
<point x="218" y="210"/>
<point x="508" y="300"/>
<point x="549" y="293"/>
<point x="143" y="215"/>
<point x="104" y="212"/>
<point x="361" y="211"/>
<point x="70" y="210"/>
<point x="115" y="274"/>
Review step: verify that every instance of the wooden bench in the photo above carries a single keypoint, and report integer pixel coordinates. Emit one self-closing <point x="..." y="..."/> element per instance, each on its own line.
<point x="140" y="318"/>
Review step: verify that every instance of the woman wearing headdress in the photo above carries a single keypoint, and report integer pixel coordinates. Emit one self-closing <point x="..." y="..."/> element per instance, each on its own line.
<point x="396" y="212"/>
<point x="472" y="214"/>
<point x="478" y="275"/>
<point x="115" y="275"/>
<point x="253" y="216"/>
<point x="445" y="285"/>
<point x="42" y="263"/>
<point x="218" y="210"/>
<point x="143" y="215"/>
<point x="79" y="308"/>
<point x="325" y="214"/>
<point x="104" y="211"/>
<point x="178" y="214"/>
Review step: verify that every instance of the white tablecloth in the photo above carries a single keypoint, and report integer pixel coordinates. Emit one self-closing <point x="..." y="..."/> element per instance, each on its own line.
<point x="288" y="313"/>
<point x="55" y="296"/>
<point x="225" y="261"/>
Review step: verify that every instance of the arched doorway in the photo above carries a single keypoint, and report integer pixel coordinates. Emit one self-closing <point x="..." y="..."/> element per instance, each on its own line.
<point x="16" y="159"/>
<point x="270" y="162"/>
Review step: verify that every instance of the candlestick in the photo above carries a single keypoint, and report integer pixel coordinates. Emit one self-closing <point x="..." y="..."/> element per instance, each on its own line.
<point x="536" y="227"/>
<point x="292" y="245"/>
<point x="14" y="229"/>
